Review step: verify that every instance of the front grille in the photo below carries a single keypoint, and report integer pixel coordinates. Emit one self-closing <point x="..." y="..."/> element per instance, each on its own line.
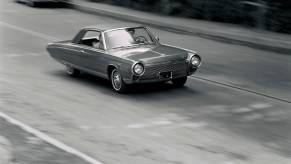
<point x="177" y="69"/>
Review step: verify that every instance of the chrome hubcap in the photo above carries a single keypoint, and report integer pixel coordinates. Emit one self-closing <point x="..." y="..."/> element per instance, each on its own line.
<point x="116" y="80"/>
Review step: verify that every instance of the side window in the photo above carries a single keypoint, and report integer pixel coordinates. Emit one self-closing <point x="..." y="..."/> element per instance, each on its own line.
<point x="91" y="34"/>
<point x="92" y="38"/>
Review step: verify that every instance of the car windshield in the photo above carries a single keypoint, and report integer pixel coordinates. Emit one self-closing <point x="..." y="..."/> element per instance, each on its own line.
<point x="127" y="37"/>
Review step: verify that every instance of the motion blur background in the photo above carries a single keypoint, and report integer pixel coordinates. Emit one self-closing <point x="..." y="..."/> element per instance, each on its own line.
<point x="273" y="15"/>
<point x="235" y="110"/>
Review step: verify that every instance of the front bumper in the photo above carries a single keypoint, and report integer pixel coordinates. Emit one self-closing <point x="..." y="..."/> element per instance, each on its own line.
<point x="152" y="72"/>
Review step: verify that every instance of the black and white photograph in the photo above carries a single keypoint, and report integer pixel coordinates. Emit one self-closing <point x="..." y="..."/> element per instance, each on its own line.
<point x="145" y="82"/>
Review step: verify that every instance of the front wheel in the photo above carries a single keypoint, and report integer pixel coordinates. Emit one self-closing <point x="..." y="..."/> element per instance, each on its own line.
<point x="179" y="82"/>
<point x="116" y="81"/>
<point x="72" y="71"/>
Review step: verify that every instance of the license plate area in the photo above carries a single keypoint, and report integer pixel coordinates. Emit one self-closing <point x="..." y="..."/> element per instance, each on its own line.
<point x="165" y="75"/>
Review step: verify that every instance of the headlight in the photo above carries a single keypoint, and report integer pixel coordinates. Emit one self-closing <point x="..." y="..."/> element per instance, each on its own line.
<point x="195" y="60"/>
<point x="138" y="68"/>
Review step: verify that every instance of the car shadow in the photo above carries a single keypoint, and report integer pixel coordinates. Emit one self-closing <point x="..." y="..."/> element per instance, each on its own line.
<point x="45" y="5"/>
<point x="134" y="90"/>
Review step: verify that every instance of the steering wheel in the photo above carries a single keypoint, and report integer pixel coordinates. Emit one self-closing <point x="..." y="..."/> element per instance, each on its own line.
<point x="141" y="39"/>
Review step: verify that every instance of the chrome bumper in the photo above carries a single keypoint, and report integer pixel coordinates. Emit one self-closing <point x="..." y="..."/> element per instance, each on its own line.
<point x="152" y="72"/>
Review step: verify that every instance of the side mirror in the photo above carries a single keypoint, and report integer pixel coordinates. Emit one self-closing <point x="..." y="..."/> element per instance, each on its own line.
<point x="157" y="38"/>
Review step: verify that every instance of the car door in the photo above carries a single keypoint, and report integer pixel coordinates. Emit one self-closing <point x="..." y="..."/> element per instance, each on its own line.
<point x="92" y="53"/>
<point x="72" y="53"/>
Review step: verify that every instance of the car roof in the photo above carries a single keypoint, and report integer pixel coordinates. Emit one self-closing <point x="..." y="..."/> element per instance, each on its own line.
<point x="112" y="26"/>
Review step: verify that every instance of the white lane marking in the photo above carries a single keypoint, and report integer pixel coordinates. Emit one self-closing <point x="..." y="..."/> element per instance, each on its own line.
<point x="242" y="110"/>
<point x="12" y="55"/>
<point x="86" y="127"/>
<point x="33" y="140"/>
<point x="5" y="150"/>
<point x="261" y="105"/>
<point x="228" y="162"/>
<point x="153" y="134"/>
<point x="21" y="55"/>
<point x="194" y="125"/>
<point x="137" y="126"/>
<point x="161" y="122"/>
<point x="38" y="34"/>
<point x="173" y="117"/>
<point x="33" y="54"/>
<point x="253" y="116"/>
<point x="277" y="115"/>
<point x="10" y="11"/>
<point x="174" y="123"/>
<point x="191" y="125"/>
<point x="216" y="108"/>
<point x="50" y="140"/>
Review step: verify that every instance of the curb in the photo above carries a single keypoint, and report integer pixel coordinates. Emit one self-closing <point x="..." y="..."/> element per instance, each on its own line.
<point x="5" y="151"/>
<point x="257" y="43"/>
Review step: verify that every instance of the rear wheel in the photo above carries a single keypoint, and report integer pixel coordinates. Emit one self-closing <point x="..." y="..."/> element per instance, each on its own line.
<point x="72" y="71"/>
<point x="116" y="81"/>
<point x="179" y="82"/>
<point x="30" y="3"/>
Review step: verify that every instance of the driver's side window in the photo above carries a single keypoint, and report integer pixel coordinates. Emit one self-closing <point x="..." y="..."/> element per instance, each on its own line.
<point x="92" y="38"/>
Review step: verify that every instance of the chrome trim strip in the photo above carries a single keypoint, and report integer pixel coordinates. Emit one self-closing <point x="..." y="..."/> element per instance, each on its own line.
<point x="114" y="29"/>
<point x="103" y="40"/>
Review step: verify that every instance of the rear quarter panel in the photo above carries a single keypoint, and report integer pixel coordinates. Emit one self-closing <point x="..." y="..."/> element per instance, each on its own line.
<point x="59" y="51"/>
<point x="62" y="52"/>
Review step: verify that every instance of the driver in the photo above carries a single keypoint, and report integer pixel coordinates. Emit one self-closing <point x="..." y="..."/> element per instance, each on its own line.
<point x="131" y="31"/>
<point x="96" y="43"/>
<point x="137" y="39"/>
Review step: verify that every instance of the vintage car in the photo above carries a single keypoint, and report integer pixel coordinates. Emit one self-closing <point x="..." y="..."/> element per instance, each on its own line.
<point x="124" y="55"/>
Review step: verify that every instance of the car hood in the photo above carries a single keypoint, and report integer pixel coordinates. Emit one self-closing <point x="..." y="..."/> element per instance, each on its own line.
<point x="151" y="54"/>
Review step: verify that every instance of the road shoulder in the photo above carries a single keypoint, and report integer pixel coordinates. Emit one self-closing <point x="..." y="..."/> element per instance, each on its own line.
<point x="19" y="146"/>
<point x="5" y="150"/>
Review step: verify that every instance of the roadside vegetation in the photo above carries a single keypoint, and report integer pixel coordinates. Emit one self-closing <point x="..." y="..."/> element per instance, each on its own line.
<point x="273" y="15"/>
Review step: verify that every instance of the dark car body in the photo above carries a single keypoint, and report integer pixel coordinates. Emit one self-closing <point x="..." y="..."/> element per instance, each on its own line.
<point x="160" y="62"/>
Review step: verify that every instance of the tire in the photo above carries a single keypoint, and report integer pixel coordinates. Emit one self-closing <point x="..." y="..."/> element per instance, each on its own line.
<point x="179" y="82"/>
<point x="30" y="3"/>
<point x="117" y="83"/>
<point x="72" y="71"/>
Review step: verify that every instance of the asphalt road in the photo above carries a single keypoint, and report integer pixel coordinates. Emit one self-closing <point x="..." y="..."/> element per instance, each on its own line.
<point x="24" y="148"/>
<point x="201" y="123"/>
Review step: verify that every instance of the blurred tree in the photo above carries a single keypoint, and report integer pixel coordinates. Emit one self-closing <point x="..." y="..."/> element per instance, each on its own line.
<point x="273" y="15"/>
<point x="279" y="16"/>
